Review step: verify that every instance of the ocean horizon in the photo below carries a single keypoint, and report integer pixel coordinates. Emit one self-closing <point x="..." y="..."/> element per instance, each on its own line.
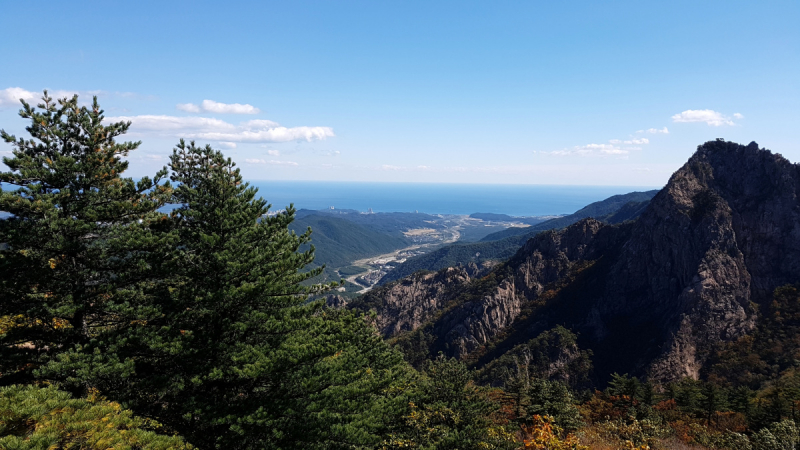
<point x="437" y="198"/>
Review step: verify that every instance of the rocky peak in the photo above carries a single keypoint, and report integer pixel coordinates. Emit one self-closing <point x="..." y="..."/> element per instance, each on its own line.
<point x="649" y="297"/>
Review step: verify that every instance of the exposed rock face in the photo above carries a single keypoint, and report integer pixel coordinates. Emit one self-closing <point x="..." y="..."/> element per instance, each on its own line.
<point x="543" y="260"/>
<point x="408" y="303"/>
<point x="648" y="297"/>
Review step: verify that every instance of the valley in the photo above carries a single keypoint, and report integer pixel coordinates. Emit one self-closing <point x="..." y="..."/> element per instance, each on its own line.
<point x="362" y="248"/>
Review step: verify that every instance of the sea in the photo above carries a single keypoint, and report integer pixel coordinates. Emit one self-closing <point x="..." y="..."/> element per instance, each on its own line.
<point x="437" y="198"/>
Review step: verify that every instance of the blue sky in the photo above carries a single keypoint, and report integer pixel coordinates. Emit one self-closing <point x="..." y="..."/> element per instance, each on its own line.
<point x="469" y="92"/>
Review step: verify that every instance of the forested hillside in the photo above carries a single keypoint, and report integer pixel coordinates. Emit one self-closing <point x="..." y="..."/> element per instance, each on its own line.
<point x="339" y="242"/>
<point x="391" y="223"/>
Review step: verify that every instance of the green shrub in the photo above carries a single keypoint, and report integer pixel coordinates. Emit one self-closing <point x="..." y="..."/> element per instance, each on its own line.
<point x="33" y="417"/>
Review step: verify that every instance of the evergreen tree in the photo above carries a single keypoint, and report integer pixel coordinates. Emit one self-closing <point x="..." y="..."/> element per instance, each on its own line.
<point x="553" y="398"/>
<point x="230" y="353"/>
<point x="448" y="411"/>
<point x="712" y="399"/>
<point x="74" y="245"/>
<point x="625" y="385"/>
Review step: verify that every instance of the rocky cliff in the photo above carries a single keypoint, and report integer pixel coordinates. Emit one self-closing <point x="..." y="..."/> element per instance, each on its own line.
<point x="650" y="297"/>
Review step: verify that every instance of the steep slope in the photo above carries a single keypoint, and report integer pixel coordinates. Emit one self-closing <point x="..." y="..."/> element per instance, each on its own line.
<point x="503" y="244"/>
<point x="650" y="297"/>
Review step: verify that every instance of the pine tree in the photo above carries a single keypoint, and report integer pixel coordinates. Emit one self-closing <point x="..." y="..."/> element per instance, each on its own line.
<point x="448" y="411"/>
<point x="73" y="246"/>
<point x="231" y="353"/>
<point x="712" y="399"/>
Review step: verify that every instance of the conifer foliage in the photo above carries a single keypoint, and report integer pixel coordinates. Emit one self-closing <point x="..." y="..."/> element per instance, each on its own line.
<point x="199" y="318"/>
<point x="235" y="356"/>
<point x="69" y="249"/>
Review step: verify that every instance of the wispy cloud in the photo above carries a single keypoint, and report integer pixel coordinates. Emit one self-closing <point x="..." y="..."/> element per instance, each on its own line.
<point x="188" y="107"/>
<point x="590" y="150"/>
<point x="10" y="97"/>
<point x="273" y="153"/>
<point x="631" y="141"/>
<point x="655" y="131"/>
<point x="391" y="167"/>
<point x="228" y="144"/>
<point x="271" y="162"/>
<point x="708" y="116"/>
<point x="261" y="131"/>
<point x="738" y="116"/>
<point x="219" y="108"/>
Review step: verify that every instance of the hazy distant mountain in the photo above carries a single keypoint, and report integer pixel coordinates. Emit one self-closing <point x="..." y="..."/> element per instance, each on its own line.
<point x="493" y="217"/>
<point x="650" y="297"/>
<point x="503" y="244"/>
<point x="601" y="210"/>
<point x="339" y="242"/>
<point x="393" y="223"/>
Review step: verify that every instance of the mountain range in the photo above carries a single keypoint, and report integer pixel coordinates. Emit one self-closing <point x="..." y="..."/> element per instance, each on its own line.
<point x="652" y="297"/>
<point x="503" y="244"/>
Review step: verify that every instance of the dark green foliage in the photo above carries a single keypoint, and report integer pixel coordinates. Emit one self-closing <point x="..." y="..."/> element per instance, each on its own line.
<point x="624" y="385"/>
<point x="230" y="354"/>
<point x="535" y="396"/>
<point x="554" y="399"/>
<point x="448" y="411"/>
<point x="65" y="270"/>
<point x="198" y="318"/>
<point x="543" y="357"/>
<point x="351" y="270"/>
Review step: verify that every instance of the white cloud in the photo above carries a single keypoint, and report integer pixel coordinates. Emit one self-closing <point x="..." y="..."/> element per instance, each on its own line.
<point x="738" y="116"/>
<point x="219" y="108"/>
<point x="273" y="153"/>
<point x="11" y="96"/>
<point x="271" y="162"/>
<point x="188" y="107"/>
<point x="228" y="108"/>
<point x="391" y="167"/>
<point x="630" y="142"/>
<point x="228" y="144"/>
<point x="591" y="150"/>
<point x="218" y="130"/>
<point x="710" y="117"/>
<point x="655" y="131"/>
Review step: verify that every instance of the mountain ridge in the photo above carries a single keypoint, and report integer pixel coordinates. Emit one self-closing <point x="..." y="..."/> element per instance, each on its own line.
<point x="503" y="244"/>
<point x="649" y="297"/>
